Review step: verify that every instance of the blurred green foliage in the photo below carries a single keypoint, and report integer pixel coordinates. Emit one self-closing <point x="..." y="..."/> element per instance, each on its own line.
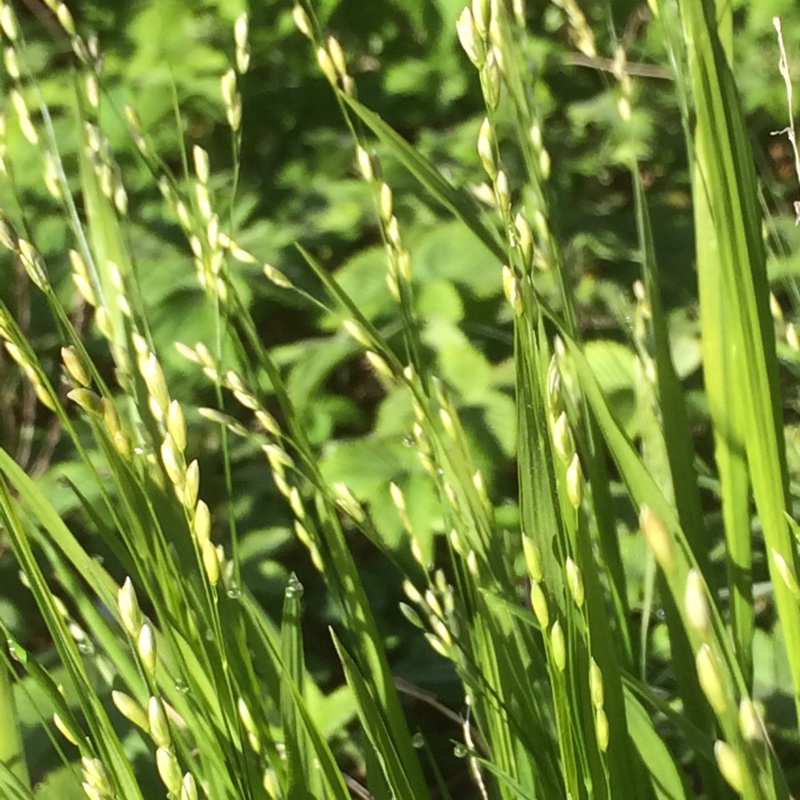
<point x="297" y="182"/>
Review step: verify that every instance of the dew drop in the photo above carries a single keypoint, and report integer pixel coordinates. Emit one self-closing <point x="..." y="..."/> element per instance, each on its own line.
<point x="234" y="592"/>
<point x="459" y="751"/>
<point x="418" y="740"/>
<point x="294" y="589"/>
<point x="182" y="687"/>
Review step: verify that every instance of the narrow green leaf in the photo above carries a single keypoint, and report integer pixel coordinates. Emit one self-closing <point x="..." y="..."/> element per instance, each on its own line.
<point x="457" y="201"/>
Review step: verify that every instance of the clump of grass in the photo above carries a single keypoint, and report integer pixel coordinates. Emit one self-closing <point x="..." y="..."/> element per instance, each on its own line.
<point x="557" y="702"/>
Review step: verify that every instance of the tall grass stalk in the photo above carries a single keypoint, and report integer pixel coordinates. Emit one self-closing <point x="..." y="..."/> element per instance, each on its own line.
<point x="557" y="700"/>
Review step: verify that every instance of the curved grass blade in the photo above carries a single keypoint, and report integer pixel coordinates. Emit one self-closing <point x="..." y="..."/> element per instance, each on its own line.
<point x="731" y="262"/>
<point x="379" y="731"/>
<point x="457" y="201"/>
<point x="303" y="784"/>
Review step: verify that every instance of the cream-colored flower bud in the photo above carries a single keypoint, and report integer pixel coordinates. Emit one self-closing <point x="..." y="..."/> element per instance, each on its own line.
<point x="154" y="379"/>
<point x="575" y="582"/>
<point x="75" y="365"/>
<point x="65" y="18"/>
<point x="486" y="149"/>
<point x="245" y="716"/>
<point x="234" y="115"/>
<point x="563" y="442"/>
<point x="337" y="55"/>
<point x="146" y="647"/>
<point x="277" y="277"/>
<point x="176" y="425"/>
<point x="229" y="91"/>
<point x="558" y="646"/>
<point x="34" y="264"/>
<point x="64" y="730"/>
<point x="787" y="574"/>
<point x="412" y="616"/>
<point x="601" y="728"/>
<point x="172" y="461"/>
<point x="301" y="20"/>
<point x="385" y="202"/>
<point x="412" y="593"/>
<point x="544" y="164"/>
<point x="524" y="240"/>
<point x="169" y="770"/>
<point x="240" y="30"/>
<point x="121" y="201"/>
<point x="240" y="38"/>
<point x="296" y="503"/>
<point x="658" y="538"/>
<point x="574" y="481"/>
<point x="393" y="233"/>
<point x="533" y="561"/>
<point x="85" y="288"/>
<point x="349" y="86"/>
<point x="210" y="562"/>
<point x="437" y="645"/>
<point x="95" y="775"/>
<point x="403" y="263"/>
<point x="122" y="443"/>
<point x="130" y="709"/>
<point x="202" y="165"/>
<point x="511" y="289"/>
<point x="92" y="792"/>
<point x="51" y="175"/>
<point x="432" y="601"/>
<point x="357" y="332"/>
<point x="503" y="192"/>
<point x="189" y="787"/>
<point x="379" y="365"/>
<point x="201" y="524"/>
<point x="397" y="496"/>
<point x="596" y="684"/>
<point x="8" y="22"/>
<point x="729" y="765"/>
<point x="441" y="631"/>
<point x="492" y="79"/>
<point x="364" y="162"/>
<point x="481" y="14"/>
<point x="750" y="722"/>
<point x="470" y="39"/>
<point x="129" y="611"/>
<point x="191" y="484"/>
<point x="104" y="322"/>
<point x="540" y="225"/>
<point x="157" y="722"/>
<point x="87" y="400"/>
<point x="710" y="677"/>
<point x="539" y="605"/>
<point x="92" y="91"/>
<point x="698" y="611"/>
<point x="447" y="422"/>
<point x="23" y="116"/>
<point x="326" y="65"/>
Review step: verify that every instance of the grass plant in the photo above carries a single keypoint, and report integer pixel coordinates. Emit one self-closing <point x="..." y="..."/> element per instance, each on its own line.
<point x="558" y="698"/>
